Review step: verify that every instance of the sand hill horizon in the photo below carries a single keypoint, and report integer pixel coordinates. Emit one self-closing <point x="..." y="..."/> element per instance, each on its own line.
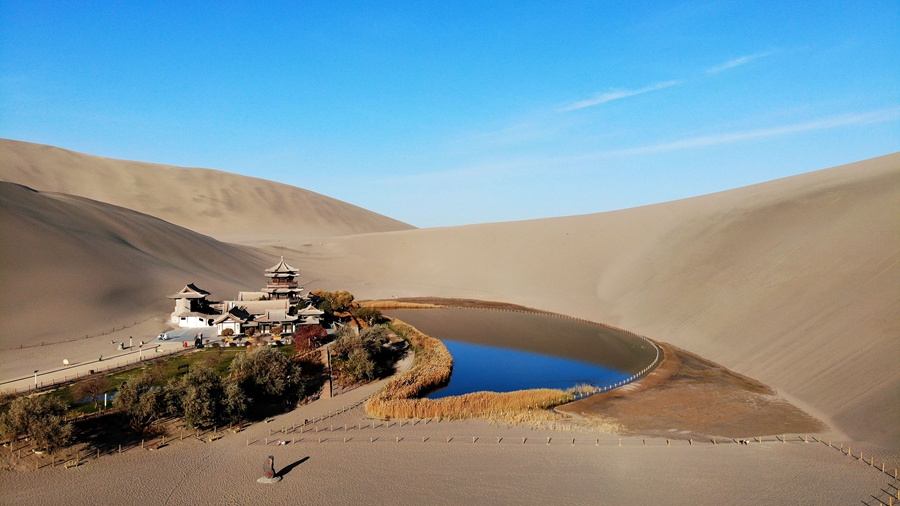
<point x="229" y="207"/>
<point x="792" y="282"/>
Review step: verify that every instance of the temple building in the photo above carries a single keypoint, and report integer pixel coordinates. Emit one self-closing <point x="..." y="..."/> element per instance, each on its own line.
<point x="282" y="282"/>
<point x="192" y="309"/>
<point x="278" y="305"/>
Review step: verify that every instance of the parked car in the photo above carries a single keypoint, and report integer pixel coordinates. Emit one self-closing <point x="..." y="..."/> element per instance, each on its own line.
<point x="163" y="336"/>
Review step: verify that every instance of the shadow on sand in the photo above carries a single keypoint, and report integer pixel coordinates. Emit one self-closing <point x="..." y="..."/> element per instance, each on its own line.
<point x="290" y="467"/>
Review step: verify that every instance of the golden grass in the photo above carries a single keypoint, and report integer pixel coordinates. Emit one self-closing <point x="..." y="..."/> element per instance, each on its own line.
<point x="432" y="368"/>
<point x="393" y="304"/>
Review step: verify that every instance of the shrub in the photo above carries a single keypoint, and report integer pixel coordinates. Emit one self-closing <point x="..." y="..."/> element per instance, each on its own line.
<point x="228" y="332"/>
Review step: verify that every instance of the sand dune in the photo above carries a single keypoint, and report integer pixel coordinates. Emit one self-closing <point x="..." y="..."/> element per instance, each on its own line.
<point x="793" y="282"/>
<point x="72" y="266"/>
<point x="226" y="206"/>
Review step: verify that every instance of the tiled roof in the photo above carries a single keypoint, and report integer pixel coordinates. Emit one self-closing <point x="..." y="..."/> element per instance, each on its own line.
<point x="283" y="268"/>
<point x="190" y="291"/>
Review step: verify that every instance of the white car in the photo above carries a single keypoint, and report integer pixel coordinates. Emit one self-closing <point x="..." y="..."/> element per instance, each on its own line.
<point x="163" y="336"/>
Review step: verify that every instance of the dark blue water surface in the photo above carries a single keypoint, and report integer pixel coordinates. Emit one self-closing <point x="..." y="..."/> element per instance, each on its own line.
<point x="503" y="351"/>
<point x="478" y="368"/>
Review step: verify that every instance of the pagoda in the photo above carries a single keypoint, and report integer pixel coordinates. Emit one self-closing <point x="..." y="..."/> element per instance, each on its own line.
<point x="282" y="282"/>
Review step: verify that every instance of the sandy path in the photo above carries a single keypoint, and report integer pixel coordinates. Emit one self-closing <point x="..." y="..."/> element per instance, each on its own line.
<point x="82" y="355"/>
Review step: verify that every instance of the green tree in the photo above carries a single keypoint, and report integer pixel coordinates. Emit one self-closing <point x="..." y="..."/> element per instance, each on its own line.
<point x="142" y="403"/>
<point x="363" y="355"/>
<point x="334" y="302"/>
<point x="359" y="366"/>
<point x="41" y="417"/>
<point x="370" y="315"/>
<point x="265" y="372"/>
<point x="236" y="402"/>
<point x="203" y="400"/>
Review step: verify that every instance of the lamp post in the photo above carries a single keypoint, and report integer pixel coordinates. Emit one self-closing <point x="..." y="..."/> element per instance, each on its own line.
<point x="330" y="376"/>
<point x="141" y="348"/>
<point x="35" y="379"/>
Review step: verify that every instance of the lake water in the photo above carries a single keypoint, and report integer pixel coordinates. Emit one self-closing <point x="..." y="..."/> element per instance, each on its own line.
<point x="503" y="351"/>
<point x="477" y="368"/>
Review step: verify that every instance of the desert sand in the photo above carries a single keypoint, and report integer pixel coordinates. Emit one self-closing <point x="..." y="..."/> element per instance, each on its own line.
<point x="792" y="283"/>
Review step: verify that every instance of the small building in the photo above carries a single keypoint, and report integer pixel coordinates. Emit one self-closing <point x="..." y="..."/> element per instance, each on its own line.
<point x="276" y="318"/>
<point x="310" y="315"/>
<point x="237" y="319"/>
<point x="192" y="309"/>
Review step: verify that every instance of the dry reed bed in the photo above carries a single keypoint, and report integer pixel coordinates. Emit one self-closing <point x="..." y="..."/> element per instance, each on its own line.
<point x="390" y="304"/>
<point x="432" y="368"/>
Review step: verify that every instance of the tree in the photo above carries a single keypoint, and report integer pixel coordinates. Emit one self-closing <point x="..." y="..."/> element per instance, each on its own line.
<point x="203" y="402"/>
<point x="308" y="337"/>
<point x="265" y="372"/>
<point x="359" y="365"/>
<point x="370" y="315"/>
<point x="334" y="302"/>
<point x="364" y="355"/>
<point x="40" y="417"/>
<point x="93" y="386"/>
<point x="142" y="403"/>
<point x="236" y="402"/>
<point x="347" y="340"/>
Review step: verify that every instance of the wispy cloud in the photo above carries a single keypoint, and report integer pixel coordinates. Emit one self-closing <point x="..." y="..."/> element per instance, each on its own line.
<point x="877" y="116"/>
<point x="737" y="62"/>
<point x="609" y="96"/>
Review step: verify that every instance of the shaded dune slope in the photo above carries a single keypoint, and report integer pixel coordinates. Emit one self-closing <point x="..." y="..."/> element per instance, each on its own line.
<point x="73" y="266"/>
<point x="794" y="282"/>
<point x="226" y="206"/>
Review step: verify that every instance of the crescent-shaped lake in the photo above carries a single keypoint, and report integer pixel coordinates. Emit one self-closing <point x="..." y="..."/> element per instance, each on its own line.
<point x="504" y="351"/>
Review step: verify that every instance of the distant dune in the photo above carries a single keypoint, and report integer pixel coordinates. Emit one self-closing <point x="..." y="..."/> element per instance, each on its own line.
<point x="226" y="206"/>
<point x="792" y="282"/>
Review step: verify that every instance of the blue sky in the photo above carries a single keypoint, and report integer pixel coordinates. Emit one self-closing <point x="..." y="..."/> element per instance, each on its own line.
<point x="449" y="113"/>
